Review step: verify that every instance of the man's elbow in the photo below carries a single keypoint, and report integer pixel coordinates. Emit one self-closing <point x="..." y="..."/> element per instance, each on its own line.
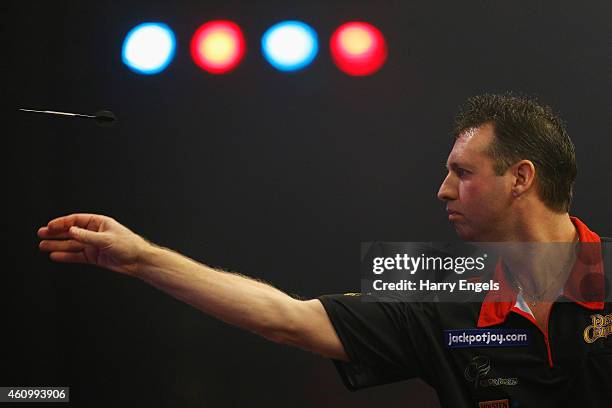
<point x="307" y="326"/>
<point x="284" y="326"/>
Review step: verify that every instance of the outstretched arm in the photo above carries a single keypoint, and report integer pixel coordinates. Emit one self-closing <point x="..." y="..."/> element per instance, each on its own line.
<point x="233" y="298"/>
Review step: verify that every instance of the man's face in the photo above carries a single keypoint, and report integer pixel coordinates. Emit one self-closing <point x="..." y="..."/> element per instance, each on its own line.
<point x="477" y="200"/>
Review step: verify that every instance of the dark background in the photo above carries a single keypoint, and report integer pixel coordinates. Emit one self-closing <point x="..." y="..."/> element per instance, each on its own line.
<point x="278" y="176"/>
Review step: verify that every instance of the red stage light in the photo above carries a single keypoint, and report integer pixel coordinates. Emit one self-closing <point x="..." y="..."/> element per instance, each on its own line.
<point x="218" y="46"/>
<point x="358" y="48"/>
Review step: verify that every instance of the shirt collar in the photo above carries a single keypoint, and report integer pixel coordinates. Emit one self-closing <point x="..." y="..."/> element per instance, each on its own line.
<point x="587" y="276"/>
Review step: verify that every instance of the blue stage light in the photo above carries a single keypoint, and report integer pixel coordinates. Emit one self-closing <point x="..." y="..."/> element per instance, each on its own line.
<point x="148" y="48"/>
<point x="290" y="45"/>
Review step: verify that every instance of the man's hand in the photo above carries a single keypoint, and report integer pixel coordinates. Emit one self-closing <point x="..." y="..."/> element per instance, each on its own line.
<point x="93" y="239"/>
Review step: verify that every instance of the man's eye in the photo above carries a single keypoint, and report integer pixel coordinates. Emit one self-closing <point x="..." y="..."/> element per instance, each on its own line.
<point x="461" y="172"/>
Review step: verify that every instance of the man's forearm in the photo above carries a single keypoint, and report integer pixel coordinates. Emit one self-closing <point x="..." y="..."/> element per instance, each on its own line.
<point x="233" y="298"/>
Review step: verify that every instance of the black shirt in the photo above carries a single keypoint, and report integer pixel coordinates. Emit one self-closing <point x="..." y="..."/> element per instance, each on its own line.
<point x="486" y="354"/>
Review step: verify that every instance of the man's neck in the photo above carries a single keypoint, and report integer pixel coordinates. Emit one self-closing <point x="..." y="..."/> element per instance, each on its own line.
<point x="544" y="254"/>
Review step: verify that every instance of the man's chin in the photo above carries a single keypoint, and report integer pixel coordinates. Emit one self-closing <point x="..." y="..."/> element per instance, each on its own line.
<point x="469" y="234"/>
<point x="464" y="232"/>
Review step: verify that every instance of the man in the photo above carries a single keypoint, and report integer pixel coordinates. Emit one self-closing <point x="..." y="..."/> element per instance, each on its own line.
<point x="510" y="177"/>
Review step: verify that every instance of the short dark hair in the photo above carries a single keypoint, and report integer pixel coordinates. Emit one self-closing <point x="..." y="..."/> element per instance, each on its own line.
<point x="526" y="130"/>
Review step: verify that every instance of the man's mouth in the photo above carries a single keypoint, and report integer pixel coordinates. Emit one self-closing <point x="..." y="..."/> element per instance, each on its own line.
<point x="453" y="215"/>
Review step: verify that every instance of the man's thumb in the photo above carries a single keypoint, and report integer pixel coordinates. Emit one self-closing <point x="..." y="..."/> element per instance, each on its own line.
<point x="87" y="237"/>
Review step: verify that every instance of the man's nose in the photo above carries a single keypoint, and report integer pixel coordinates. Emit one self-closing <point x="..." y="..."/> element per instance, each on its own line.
<point x="448" y="190"/>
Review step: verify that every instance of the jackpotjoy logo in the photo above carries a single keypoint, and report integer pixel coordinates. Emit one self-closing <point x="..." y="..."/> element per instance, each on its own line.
<point x="464" y="338"/>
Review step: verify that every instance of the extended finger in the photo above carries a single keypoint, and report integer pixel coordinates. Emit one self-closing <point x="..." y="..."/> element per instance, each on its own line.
<point x="68" y="257"/>
<point x="46" y="233"/>
<point x="89" y="221"/>
<point x="63" y="246"/>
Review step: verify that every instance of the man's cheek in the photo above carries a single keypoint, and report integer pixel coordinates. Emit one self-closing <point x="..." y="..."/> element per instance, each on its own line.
<point x="469" y="195"/>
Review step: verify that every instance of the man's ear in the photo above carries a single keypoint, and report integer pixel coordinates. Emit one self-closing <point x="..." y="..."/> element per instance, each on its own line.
<point x="524" y="177"/>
